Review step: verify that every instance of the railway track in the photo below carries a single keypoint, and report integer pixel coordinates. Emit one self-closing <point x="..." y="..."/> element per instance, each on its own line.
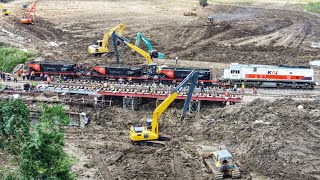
<point x="94" y="86"/>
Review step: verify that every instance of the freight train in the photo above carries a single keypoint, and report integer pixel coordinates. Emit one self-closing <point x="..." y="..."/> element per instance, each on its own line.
<point x="118" y="71"/>
<point x="237" y="74"/>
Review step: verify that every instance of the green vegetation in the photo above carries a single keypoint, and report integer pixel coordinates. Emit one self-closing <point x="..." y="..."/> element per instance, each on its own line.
<point x="5" y="1"/>
<point x="42" y="156"/>
<point x="37" y="150"/>
<point x="14" y="125"/>
<point x="313" y="6"/>
<point x="203" y="3"/>
<point x="11" y="57"/>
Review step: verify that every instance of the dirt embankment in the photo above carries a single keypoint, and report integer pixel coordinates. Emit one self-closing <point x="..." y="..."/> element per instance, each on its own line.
<point x="237" y="34"/>
<point x="275" y="140"/>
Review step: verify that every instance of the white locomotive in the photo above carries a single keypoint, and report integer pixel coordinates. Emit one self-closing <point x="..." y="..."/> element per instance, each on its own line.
<point x="270" y="76"/>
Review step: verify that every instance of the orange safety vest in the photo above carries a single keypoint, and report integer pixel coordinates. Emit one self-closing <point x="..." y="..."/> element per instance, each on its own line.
<point x="48" y="79"/>
<point x="227" y="93"/>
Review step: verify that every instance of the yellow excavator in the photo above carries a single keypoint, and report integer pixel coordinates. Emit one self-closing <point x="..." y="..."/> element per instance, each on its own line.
<point x="101" y="46"/>
<point x="5" y="11"/>
<point x="149" y="134"/>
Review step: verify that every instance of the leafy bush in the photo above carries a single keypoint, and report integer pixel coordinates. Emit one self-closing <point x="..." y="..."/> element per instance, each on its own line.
<point x="43" y="157"/>
<point x="14" y="125"/>
<point x="11" y="57"/>
<point x="5" y="1"/>
<point x="37" y="149"/>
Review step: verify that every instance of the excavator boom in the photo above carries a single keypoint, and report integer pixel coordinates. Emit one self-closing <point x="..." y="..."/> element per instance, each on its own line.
<point x="151" y="131"/>
<point x="192" y="77"/>
<point x="101" y="46"/>
<point x="116" y="36"/>
<point x="27" y="19"/>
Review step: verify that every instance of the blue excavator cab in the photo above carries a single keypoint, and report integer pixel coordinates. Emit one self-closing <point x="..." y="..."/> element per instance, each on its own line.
<point x="153" y="53"/>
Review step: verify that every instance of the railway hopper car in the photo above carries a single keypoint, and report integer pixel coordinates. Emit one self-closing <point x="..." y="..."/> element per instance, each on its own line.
<point x="117" y="70"/>
<point x="270" y="76"/>
<point x="54" y="68"/>
<point x="181" y="73"/>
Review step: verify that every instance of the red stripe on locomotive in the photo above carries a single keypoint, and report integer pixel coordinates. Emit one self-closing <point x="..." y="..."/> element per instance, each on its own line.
<point x="101" y="70"/>
<point x="169" y="73"/>
<point x="36" y="67"/>
<point x="273" y="76"/>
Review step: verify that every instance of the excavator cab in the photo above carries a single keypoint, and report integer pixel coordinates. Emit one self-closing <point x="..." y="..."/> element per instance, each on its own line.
<point x="26" y="20"/>
<point x="99" y="43"/>
<point x="154" y="54"/>
<point x="94" y="48"/>
<point x="24" y="7"/>
<point x="149" y="121"/>
<point x="6" y="12"/>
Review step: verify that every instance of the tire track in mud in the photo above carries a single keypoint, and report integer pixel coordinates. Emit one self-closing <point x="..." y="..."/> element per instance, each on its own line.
<point x="177" y="166"/>
<point x="103" y="169"/>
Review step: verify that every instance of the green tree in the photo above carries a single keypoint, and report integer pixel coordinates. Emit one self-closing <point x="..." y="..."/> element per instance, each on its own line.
<point x="43" y="157"/>
<point x="14" y="125"/>
<point x="11" y="57"/>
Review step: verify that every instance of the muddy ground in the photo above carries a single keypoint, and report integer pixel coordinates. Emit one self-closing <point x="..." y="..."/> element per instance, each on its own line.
<point x="269" y="140"/>
<point x="245" y="34"/>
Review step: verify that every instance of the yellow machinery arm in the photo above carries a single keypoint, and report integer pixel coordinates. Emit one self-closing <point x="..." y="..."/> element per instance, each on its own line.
<point x="107" y="35"/>
<point x="151" y="131"/>
<point x="101" y="46"/>
<point x="145" y="54"/>
<point x="160" y="109"/>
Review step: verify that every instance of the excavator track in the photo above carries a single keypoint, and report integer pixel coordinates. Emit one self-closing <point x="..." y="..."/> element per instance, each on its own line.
<point x="161" y="142"/>
<point x="209" y="163"/>
<point x="236" y="173"/>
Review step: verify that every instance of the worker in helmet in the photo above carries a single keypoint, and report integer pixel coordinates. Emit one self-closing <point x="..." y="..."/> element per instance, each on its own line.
<point x="242" y="87"/>
<point x="226" y="93"/>
<point x="202" y="87"/>
<point x="254" y="90"/>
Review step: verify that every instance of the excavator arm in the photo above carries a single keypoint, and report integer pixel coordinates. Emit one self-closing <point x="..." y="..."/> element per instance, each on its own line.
<point x="116" y="36"/>
<point x="28" y="20"/>
<point x="148" y="44"/>
<point x="102" y="45"/>
<point x="192" y="77"/>
<point x="106" y="36"/>
<point x="151" y="131"/>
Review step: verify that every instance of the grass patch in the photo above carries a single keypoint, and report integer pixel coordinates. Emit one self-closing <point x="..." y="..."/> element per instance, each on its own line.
<point x="313" y="7"/>
<point x="11" y="57"/>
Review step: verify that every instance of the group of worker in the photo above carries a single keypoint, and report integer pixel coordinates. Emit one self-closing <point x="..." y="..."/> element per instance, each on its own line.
<point x="30" y="75"/>
<point x="25" y="75"/>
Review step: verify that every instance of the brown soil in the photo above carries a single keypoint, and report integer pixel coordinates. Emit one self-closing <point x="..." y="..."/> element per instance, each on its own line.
<point x="269" y="140"/>
<point x="238" y="34"/>
<point x="274" y="140"/>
